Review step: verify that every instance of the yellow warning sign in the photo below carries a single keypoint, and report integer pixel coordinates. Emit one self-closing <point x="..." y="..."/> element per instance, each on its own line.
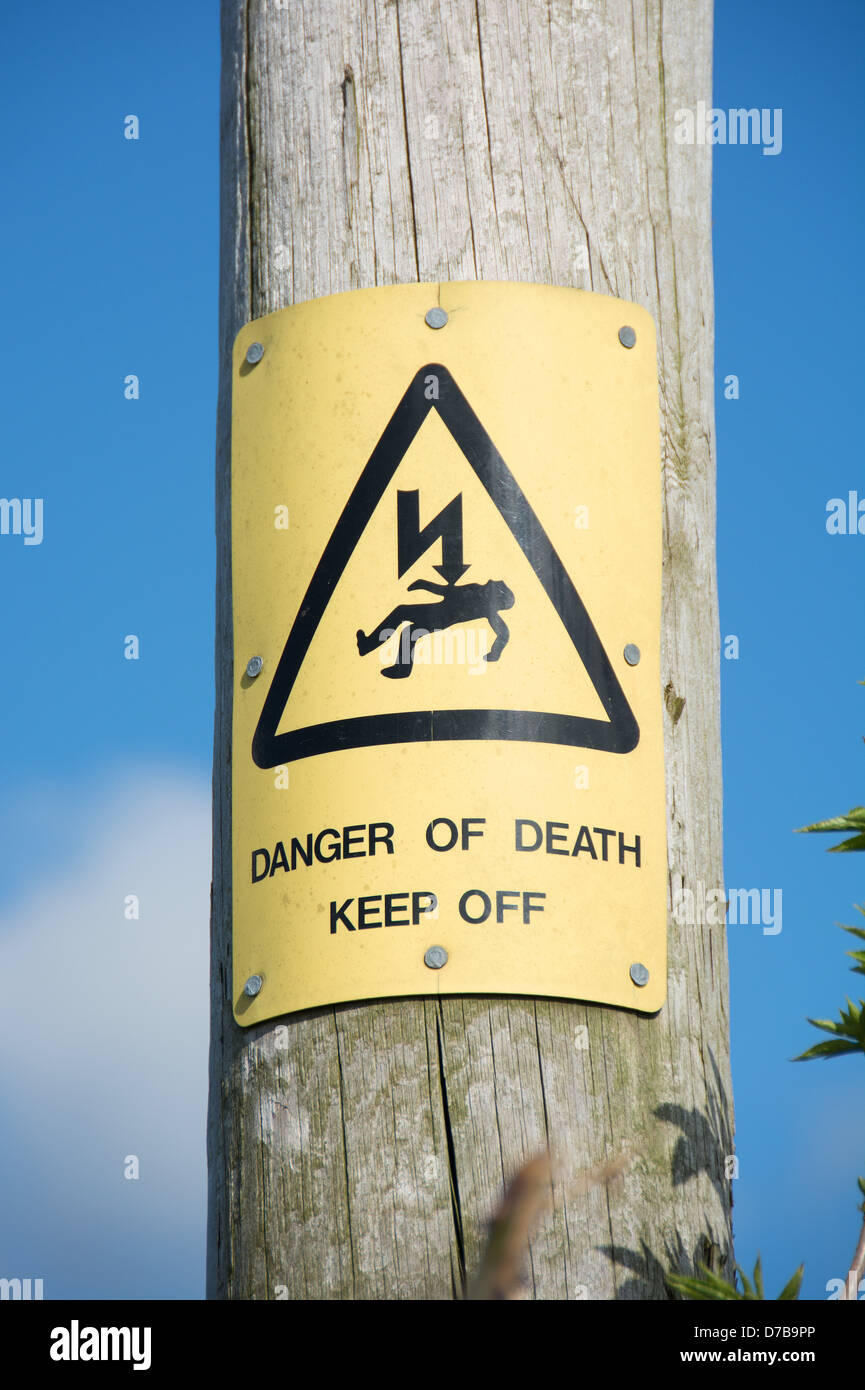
<point x="448" y="770"/>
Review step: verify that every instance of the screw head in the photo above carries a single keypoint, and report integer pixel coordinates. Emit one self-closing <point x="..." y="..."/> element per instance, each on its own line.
<point x="639" y="974"/>
<point x="253" y="986"/>
<point x="254" y="666"/>
<point x="254" y="353"/>
<point x="627" y="336"/>
<point x="435" y="957"/>
<point x="435" y="318"/>
<point x="632" y="654"/>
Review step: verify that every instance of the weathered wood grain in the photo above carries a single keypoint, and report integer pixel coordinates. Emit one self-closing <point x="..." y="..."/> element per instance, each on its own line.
<point x="358" y="1152"/>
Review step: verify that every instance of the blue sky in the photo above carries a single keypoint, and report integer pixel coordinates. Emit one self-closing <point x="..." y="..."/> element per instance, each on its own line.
<point x="110" y="250"/>
<point x="793" y="714"/>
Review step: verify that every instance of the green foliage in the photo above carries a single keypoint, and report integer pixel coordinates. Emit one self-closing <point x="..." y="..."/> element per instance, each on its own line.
<point x="712" y="1288"/>
<point x="854" y="820"/>
<point x="849" y="1033"/>
<point x="858" y="956"/>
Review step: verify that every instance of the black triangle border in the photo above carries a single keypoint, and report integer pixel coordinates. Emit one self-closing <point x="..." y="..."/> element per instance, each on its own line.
<point x="620" y="735"/>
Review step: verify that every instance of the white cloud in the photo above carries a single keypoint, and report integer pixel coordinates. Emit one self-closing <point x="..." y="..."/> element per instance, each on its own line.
<point x="104" y="1026"/>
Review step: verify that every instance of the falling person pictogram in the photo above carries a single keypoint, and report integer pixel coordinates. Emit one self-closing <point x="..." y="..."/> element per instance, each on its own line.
<point x="617" y="732"/>
<point x="458" y="603"/>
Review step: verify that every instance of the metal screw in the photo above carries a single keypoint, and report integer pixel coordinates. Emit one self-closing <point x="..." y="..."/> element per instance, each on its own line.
<point x="639" y="974"/>
<point x="253" y="986"/>
<point x="253" y="667"/>
<point x="632" y="654"/>
<point x="435" y="318"/>
<point x="255" y="352"/>
<point x="627" y="336"/>
<point x="435" y="957"/>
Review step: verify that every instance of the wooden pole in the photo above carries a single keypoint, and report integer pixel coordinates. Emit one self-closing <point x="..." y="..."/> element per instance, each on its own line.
<point x="359" y="1151"/>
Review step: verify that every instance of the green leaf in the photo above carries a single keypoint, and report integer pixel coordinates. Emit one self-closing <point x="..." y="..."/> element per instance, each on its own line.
<point x="860" y="957"/>
<point x="857" y="842"/>
<point x="790" y="1291"/>
<point x="850" y="1024"/>
<point x="748" y="1290"/>
<point x="854" y="820"/>
<point x="849" y="1033"/>
<point x="859" y="933"/>
<point x="758" y="1277"/>
<point x="702" y="1290"/>
<point x="712" y="1288"/>
<point x="860" y="908"/>
<point x="825" y="1049"/>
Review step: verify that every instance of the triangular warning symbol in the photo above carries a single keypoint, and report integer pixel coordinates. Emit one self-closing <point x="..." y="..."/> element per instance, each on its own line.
<point x="619" y="733"/>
